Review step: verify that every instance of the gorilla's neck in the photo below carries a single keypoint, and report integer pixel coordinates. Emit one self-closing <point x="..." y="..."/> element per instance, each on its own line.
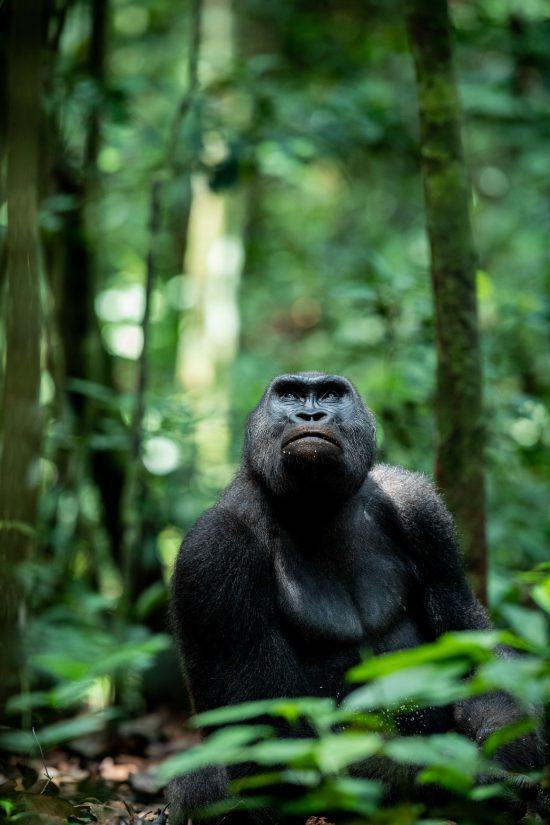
<point x="306" y="509"/>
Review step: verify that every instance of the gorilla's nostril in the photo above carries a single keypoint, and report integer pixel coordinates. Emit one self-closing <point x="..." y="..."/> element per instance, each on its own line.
<point x="313" y="416"/>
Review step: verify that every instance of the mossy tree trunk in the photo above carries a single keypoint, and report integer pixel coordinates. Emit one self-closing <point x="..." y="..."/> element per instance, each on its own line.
<point x="21" y="422"/>
<point x="460" y="449"/>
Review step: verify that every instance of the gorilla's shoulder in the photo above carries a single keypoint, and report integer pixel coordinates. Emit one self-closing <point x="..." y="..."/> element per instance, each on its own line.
<point x="404" y="485"/>
<point x="219" y="523"/>
<point x="416" y="501"/>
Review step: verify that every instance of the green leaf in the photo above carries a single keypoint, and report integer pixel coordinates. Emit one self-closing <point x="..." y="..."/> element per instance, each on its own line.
<point x="151" y="598"/>
<point x="541" y="594"/>
<point x="27" y="701"/>
<point x="221" y="748"/>
<point x="449" y="777"/>
<point x="423" y="685"/>
<point x="483" y="792"/>
<point x="439" y="749"/>
<point x="345" y="793"/>
<point x="529" y="624"/>
<point x="471" y="647"/>
<point x="21" y="741"/>
<point x="318" y="710"/>
<point x="527" y="678"/>
<point x="338" y="751"/>
<point x="19" y="527"/>
<point x="282" y="751"/>
<point x="506" y="734"/>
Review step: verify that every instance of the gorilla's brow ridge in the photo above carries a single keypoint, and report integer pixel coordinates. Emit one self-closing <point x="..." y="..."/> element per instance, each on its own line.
<point x="310" y="380"/>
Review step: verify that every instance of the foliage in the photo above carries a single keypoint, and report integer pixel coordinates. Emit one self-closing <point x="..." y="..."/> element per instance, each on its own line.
<point x="316" y="768"/>
<point x="305" y="249"/>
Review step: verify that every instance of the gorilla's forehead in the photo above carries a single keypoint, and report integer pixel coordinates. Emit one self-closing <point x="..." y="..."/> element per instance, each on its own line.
<point x="311" y="378"/>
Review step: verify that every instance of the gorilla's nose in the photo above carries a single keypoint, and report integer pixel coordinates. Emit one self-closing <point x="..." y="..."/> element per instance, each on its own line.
<point x="317" y="416"/>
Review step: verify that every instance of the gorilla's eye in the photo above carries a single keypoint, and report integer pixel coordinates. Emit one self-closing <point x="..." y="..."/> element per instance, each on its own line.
<point x="330" y="395"/>
<point x="289" y="396"/>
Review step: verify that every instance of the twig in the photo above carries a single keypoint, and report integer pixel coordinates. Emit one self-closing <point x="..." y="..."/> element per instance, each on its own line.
<point x="46" y="771"/>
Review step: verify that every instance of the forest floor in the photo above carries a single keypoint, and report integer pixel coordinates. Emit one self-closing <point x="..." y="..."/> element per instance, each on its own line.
<point x="104" y="778"/>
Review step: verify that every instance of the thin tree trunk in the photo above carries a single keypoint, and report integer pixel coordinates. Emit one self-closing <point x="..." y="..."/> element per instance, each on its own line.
<point x="133" y="499"/>
<point x="75" y="286"/>
<point x="460" y="449"/>
<point x="21" y="426"/>
<point x="181" y="155"/>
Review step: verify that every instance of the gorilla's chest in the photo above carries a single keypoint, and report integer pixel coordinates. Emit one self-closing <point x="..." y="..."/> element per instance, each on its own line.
<point x="351" y="592"/>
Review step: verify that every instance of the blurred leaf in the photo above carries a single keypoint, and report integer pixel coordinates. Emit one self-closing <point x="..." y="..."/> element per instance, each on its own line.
<point x="506" y="734"/>
<point x="528" y="624"/>
<point x="345" y="793"/>
<point x="341" y="750"/>
<point x="447" y="776"/>
<point x="469" y="647"/>
<point x="222" y="747"/>
<point x="417" y="686"/>
<point x="439" y="750"/>
<point x="20" y="741"/>
<point x="319" y="711"/>
<point x="541" y="594"/>
<point x="148" y="601"/>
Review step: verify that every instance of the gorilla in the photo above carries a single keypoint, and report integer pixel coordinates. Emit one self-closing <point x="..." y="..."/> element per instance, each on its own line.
<point x="312" y="554"/>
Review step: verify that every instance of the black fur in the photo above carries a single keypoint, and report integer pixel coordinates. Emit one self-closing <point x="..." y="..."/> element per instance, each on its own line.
<point x="312" y="553"/>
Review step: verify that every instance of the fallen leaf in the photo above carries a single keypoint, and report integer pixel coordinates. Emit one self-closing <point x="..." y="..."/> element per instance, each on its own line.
<point x="52" y="807"/>
<point x="117" y="771"/>
<point x="318" y="820"/>
<point x="146" y="782"/>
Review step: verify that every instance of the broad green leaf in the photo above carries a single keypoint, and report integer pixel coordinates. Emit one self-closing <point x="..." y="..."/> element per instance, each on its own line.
<point x="338" y="751"/>
<point x="415" y="686"/>
<point x="531" y="625"/>
<point x="541" y="594"/>
<point x="506" y="734"/>
<point x="28" y="701"/>
<point x="21" y="741"/>
<point x="292" y="710"/>
<point x="525" y="677"/>
<point x="222" y="747"/>
<point x="282" y="751"/>
<point x="439" y="749"/>
<point x="470" y="647"/>
<point x="447" y="776"/>
<point x="360" y="796"/>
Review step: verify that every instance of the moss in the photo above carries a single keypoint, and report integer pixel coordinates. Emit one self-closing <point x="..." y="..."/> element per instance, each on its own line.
<point x="459" y="412"/>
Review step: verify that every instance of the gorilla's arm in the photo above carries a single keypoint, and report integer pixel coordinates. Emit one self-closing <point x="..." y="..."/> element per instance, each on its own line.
<point x="221" y="619"/>
<point x="446" y="603"/>
<point x="218" y="616"/>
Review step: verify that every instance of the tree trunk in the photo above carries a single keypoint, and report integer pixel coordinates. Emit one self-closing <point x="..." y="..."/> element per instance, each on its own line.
<point x="460" y="449"/>
<point x="21" y="426"/>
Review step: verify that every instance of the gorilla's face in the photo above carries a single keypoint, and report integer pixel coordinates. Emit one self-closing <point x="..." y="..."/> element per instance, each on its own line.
<point x="310" y="433"/>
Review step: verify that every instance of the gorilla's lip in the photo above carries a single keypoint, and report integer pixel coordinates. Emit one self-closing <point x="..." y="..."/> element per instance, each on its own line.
<point x="311" y="432"/>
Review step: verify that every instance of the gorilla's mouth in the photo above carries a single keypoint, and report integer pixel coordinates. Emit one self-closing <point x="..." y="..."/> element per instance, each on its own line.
<point x="307" y="432"/>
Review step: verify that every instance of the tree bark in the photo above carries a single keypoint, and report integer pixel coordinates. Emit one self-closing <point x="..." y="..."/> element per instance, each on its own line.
<point x="184" y="144"/>
<point x="461" y="440"/>
<point x="22" y="424"/>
